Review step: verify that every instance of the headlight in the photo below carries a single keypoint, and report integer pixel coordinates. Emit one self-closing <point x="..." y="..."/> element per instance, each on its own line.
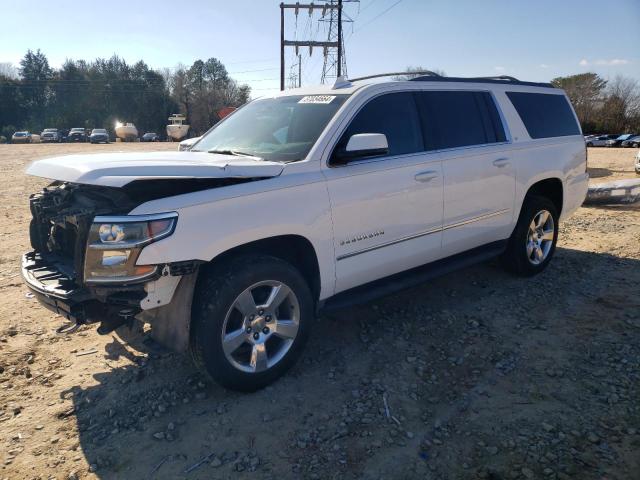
<point x="115" y="243"/>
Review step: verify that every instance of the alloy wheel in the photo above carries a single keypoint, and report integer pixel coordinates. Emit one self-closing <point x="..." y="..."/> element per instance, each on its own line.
<point x="540" y="237"/>
<point x="260" y="326"/>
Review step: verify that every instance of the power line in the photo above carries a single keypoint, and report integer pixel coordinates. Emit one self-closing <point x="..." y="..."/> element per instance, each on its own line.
<point x="251" y="61"/>
<point x="378" y="16"/>
<point x="257" y="70"/>
<point x="366" y="7"/>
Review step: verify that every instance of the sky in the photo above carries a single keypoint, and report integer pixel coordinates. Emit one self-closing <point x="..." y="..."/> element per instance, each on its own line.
<point x="531" y="40"/>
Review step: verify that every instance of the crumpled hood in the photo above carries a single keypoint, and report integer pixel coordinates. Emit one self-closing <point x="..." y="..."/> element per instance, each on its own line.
<point x="119" y="169"/>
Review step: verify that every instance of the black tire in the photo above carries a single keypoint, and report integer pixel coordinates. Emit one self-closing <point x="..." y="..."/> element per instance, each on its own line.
<point x="516" y="259"/>
<point x="589" y="144"/>
<point x="217" y="289"/>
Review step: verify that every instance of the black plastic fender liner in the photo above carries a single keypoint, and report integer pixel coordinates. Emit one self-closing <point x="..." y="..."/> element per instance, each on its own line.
<point x="615" y="192"/>
<point x="171" y="323"/>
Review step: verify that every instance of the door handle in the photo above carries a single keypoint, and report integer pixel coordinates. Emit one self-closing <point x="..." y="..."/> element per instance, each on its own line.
<point x="426" y="176"/>
<point x="501" y="162"/>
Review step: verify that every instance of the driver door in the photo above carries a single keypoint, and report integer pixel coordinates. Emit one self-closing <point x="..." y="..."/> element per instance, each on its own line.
<point x="387" y="210"/>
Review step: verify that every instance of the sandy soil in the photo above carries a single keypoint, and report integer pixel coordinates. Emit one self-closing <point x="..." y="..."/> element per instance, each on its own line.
<point x="475" y="375"/>
<point x="607" y="164"/>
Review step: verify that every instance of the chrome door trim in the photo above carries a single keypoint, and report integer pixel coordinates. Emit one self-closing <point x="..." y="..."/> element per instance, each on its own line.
<point x="423" y="234"/>
<point x="387" y="244"/>
<point x="476" y="219"/>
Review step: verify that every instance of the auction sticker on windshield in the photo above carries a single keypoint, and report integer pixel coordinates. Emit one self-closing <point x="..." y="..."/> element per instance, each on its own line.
<point x="317" y="99"/>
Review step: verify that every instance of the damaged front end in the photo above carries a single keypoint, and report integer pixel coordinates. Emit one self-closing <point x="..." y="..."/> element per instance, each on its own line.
<point x="85" y="248"/>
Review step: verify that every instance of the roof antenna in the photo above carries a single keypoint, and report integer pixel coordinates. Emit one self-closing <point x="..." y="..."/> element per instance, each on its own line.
<point x="341" y="82"/>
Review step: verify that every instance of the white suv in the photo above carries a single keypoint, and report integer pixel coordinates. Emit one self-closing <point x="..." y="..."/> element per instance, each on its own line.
<point x="312" y="199"/>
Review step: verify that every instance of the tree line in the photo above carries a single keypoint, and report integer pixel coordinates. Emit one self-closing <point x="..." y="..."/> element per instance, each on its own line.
<point x="96" y="94"/>
<point x="603" y="106"/>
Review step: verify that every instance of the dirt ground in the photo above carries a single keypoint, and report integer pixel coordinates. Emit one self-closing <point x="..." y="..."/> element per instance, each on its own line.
<point x="477" y="374"/>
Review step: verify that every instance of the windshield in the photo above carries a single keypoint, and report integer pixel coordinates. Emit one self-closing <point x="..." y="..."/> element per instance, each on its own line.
<point x="77" y="129"/>
<point x="280" y="129"/>
<point x="99" y="130"/>
<point x="20" y="134"/>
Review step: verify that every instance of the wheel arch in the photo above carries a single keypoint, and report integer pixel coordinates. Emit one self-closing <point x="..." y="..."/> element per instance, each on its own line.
<point x="292" y="248"/>
<point x="551" y="188"/>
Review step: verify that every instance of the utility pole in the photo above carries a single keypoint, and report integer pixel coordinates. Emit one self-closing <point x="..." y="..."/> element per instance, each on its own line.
<point x="333" y="47"/>
<point x="340" y="43"/>
<point x="282" y="46"/>
<point x="295" y="74"/>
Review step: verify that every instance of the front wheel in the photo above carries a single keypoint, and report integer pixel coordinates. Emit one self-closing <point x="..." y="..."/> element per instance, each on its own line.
<point x="534" y="238"/>
<point x="250" y="319"/>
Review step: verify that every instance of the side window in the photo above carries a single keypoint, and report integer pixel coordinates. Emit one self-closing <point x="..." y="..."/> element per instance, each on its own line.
<point x="393" y="114"/>
<point x="545" y="115"/>
<point x="459" y="119"/>
<point x="495" y="123"/>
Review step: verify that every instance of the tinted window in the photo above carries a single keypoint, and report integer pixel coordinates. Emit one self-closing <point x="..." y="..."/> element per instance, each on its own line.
<point x="492" y="110"/>
<point x="393" y="114"/>
<point x="459" y="119"/>
<point x="545" y="115"/>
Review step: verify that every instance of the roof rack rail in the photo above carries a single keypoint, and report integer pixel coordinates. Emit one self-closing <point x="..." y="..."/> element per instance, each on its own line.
<point x="507" y="78"/>
<point x="422" y="73"/>
<point x="496" y="77"/>
<point x="491" y="79"/>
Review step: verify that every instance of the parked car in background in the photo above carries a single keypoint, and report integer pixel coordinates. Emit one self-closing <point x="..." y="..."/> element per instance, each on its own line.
<point x="601" y="140"/>
<point x="99" y="135"/>
<point x="616" y="142"/>
<point x="21" y="137"/>
<point x="150" y="137"/>
<point x="631" y="142"/>
<point x="186" y="145"/>
<point x="77" y="135"/>
<point x="49" y="135"/>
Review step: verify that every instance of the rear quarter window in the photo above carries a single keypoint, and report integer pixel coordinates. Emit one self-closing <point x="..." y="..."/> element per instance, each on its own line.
<point x="545" y="115"/>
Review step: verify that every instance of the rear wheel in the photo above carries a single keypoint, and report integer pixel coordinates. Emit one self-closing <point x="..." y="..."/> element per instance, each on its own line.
<point x="250" y="319"/>
<point x="534" y="238"/>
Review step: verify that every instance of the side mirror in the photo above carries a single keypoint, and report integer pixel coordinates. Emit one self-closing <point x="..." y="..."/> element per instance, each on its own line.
<point x="363" y="145"/>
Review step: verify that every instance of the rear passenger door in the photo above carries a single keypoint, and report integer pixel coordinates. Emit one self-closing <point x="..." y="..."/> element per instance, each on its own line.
<point x="479" y="175"/>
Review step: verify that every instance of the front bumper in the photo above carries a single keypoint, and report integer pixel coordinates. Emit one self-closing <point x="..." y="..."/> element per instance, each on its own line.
<point x="53" y="286"/>
<point x="51" y="281"/>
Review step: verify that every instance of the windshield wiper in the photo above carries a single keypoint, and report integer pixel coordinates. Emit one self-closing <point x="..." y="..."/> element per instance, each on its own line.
<point x="234" y="152"/>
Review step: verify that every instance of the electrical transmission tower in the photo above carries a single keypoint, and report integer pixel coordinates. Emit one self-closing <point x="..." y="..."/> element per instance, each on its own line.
<point x="332" y="49"/>
<point x="335" y="62"/>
